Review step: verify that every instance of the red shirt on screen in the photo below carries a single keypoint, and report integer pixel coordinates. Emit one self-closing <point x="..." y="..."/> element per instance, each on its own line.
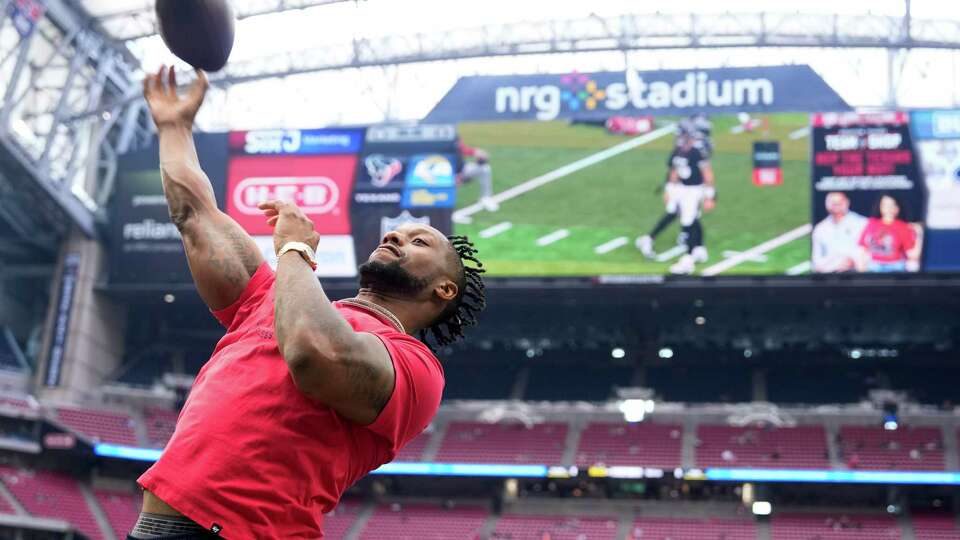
<point x="255" y="457"/>
<point x="465" y="150"/>
<point x="888" y="242"/>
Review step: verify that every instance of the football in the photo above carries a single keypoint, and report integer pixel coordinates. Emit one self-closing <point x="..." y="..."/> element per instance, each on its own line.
<point x="199" y="32"/>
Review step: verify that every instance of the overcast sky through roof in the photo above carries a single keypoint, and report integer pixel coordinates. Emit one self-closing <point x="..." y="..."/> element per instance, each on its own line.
<point x="930" y="78"/>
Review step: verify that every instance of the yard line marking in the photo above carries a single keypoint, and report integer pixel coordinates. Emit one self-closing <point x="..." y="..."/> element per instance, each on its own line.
<point x="555" y="236"/>
<point x="566" y="170"/>
<point x="755" y="258"/>
<point x="611" y="245"/>
<point x="490" y="232"/>
<point x="671" y="253"/>
<point x="760" y="249"/>
<point x="801" y="268"/>
<point x="799" y="134"/>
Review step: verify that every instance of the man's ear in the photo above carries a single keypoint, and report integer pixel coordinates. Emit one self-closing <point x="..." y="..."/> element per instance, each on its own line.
<point x="446" y="290"/>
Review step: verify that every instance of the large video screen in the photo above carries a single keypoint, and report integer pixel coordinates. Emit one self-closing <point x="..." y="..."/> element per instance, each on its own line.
<point x="695" y="194"/>
<point x="626" y="196"/>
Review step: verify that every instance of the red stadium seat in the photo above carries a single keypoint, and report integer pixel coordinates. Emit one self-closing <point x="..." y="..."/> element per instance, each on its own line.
<point x="413" y="451"/>
<point x="102" y="426"/>
<point x="121" y="508"/>
<point x="52" y="495"/>
<point x="160" y="425"/>
<point x="907" y="448"/>
<point x="337" y="524"/>
<point x="423" y="522"/>
<point x="834" y="527"/>
<point x="656" y="528"/>
<point x="935" y="527"/>
<point x="643" y="444"/>
<point x="475" y="442"/>
<point x="522" y="527"/>
<point x="801" y="447"/>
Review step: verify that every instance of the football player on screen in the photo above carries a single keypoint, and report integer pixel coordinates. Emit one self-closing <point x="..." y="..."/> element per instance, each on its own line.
<point x="696" y="128"/>
<point x="692" y="183"/>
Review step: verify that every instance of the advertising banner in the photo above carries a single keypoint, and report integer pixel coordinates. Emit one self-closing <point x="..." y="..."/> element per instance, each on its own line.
<point x="61" y="322"/>
<point x="312" y="168"/>
<point x="868" y="196"/>
<point x="145" y="246"/>
<point x="612" y="93"/>
<point x="406" y="174"/>
<point x="937" y="139"/>
<point x="766" y="163"/>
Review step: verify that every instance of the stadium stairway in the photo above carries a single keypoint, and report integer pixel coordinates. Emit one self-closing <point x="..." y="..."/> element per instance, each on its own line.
<point x="489" y="525"/>
<point x="950" y="458"/>
<point x="832" y="430"/>
<point x="98" y="514"/>
<point x="906" y="527"/>
<point x="439" y="432"/>
<point x="140" y="427"/>
<point x="572" y="443"/>
<point x="763" y="530"/>
<point x="688" y="452"/>
<point x="363" y="516"/>
<point x="520" y="384"/>
<point x="11" y="501"/>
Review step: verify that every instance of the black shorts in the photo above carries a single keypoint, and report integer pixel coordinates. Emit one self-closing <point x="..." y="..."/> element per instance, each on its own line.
<point x="192" y="536"/>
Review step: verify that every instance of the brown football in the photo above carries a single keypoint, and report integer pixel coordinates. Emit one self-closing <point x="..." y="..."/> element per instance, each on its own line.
<point x="199" y="32"/>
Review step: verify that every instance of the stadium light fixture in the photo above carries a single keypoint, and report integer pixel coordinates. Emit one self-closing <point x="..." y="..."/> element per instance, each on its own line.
<point x="618" y="353"/>
<point x="666" y="353"/>
<point x="762" y="508"/>
<point x="635" y="410"/>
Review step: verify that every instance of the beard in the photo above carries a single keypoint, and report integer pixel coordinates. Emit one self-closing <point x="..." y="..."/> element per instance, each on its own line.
<point x="390" y="278"/>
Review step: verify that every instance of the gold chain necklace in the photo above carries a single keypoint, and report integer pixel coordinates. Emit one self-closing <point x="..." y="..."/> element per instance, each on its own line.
<point x="377" y="308"/>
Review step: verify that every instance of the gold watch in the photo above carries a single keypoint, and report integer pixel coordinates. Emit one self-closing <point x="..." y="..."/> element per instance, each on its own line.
<point x="304" y="250"/>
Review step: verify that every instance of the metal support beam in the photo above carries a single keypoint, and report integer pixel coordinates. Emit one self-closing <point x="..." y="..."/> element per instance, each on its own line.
<point x="141" y="23"/>
<point x="597" y="34"/>
<point x="64" y="67"/>
<point x="23" y="50"/>
<point x="76" y="63"/>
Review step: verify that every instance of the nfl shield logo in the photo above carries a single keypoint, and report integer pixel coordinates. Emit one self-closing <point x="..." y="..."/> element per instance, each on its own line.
<point x="388" y="224"/>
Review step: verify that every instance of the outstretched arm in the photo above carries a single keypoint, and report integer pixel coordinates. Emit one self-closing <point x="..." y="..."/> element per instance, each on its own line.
<point x="221" y="255"/>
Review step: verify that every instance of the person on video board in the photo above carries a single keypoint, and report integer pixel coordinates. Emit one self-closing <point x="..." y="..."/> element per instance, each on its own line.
<point x="888" y="243"/>
<point x="836" y="239"/>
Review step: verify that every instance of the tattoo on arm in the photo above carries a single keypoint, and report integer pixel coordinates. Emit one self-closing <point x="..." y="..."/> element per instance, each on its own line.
<point x="363" y="378"/>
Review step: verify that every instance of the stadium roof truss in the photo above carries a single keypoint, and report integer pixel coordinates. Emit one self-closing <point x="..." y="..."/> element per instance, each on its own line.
<point x="71" y="84"/>
<point x="52" y="74"/>
<point x="128" y="20"/>
<point x="621" y="33"/>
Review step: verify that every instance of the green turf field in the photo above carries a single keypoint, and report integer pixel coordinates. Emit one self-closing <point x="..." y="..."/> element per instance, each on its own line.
<point x="615" y="198"/>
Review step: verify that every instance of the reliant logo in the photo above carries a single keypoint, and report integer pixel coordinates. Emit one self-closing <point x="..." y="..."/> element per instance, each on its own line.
<point x="149" y="229"/>
<point x="316" y="195"/>
<point x="577" y="92"/>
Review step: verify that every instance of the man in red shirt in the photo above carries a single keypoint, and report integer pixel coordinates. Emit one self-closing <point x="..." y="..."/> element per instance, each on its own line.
<point x="301" y="397"/>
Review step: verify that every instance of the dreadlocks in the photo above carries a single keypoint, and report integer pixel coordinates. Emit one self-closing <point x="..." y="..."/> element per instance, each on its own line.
<point x="470" y="301"/>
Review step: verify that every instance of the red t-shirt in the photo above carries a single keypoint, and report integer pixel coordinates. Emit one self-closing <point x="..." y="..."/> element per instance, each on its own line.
<point x="888" y="242"/>
<point x="253" y="457"/>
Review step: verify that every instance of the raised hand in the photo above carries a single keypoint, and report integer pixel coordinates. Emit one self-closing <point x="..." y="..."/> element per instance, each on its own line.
<point x="166" y="107"/>
<point x="289" y="224"/>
